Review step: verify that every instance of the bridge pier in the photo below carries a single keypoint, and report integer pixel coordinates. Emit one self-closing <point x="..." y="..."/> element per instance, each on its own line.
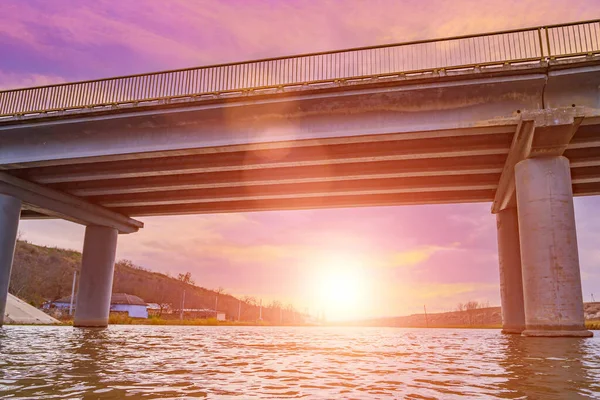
<point x="511" y="282"/>
<point x="549" y="256"/>
<point x="97" y="269"/>
<point x="10" y="211"/>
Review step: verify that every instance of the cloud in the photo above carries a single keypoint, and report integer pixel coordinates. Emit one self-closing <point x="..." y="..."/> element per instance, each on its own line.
<point x="419" y="255"/>
<point x="14" y="80"/>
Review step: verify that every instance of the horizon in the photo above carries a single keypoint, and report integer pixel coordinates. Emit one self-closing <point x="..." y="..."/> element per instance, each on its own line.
<point x="404" y="256"/>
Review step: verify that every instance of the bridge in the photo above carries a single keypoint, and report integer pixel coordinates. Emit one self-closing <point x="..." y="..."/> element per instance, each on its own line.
<point x="511" y="118"/>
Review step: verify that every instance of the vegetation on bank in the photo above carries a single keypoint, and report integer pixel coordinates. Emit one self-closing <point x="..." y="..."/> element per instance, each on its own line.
<point x="41" y="274"/>
<point x="593" y="325"/>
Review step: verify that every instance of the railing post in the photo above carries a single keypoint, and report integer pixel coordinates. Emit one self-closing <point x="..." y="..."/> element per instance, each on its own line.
<point x="548" y="43"/>
<point x="541" y="44"/>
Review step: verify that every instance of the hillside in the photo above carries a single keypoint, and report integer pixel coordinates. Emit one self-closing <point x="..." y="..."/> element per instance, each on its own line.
<point x="487" y="316"/>
<point x="43" y="273"/>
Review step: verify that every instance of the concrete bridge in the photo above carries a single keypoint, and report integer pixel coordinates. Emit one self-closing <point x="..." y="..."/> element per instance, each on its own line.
<point x="511" y="118"/>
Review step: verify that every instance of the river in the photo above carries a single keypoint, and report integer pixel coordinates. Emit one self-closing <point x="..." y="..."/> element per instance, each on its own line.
<point x="151" y="362"/>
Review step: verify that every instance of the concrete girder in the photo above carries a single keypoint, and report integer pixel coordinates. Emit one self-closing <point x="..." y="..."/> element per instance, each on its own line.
<point x="329" y="201"/>
<point x="434" y="106"/>
<point x="393" y="150"/>
<point x="301" y="190"/>
<point x="539" y="134"/>
<point x="440" y="167"/>
<point x="48" y="201"/>
<point x="569" y="86"/>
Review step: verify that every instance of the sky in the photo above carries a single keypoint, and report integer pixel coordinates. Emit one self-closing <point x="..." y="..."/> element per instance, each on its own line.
<point x="398" y="258"/>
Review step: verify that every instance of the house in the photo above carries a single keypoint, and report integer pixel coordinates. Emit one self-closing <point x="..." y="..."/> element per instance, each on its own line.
<point x="134" y="306"/>
<point x="159" y="309"/>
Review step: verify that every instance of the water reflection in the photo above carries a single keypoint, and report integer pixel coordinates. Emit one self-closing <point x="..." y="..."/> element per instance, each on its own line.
<point x="262" y="362"/>
<point x="550" y="368"/>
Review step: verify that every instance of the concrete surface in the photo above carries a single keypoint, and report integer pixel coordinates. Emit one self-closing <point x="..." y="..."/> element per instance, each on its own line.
<point x="511" y="282"/>
<point x="97" y="270"/>
<point x="10" y="210"/>
<point x="19" y="312"/>
<point x="549" y="256"/>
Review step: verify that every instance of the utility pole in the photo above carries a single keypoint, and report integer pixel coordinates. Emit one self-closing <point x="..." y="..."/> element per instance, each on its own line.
<point x="240" y="311"/>
<point x="73" y="292"/>
<point x="593" y="300"/>
<point x="216" y="305"/>
<point x="426" y="322"/>
<point x="260" y="311"/>
<point x="182" y="306"/>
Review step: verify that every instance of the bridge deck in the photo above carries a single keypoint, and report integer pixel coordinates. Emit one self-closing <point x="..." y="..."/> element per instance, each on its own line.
<point x="336" y="129"/>
<point x="541" y="44"/>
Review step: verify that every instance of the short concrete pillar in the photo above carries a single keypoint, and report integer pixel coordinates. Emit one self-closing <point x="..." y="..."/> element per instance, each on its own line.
<point x="511" y="280"/>
<point x="549" y="257"/>
<point x="95" y="284"/>
<point x="10" y="212"/>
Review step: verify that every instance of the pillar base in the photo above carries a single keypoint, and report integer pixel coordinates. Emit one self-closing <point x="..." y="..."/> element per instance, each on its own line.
<point x="542" y="333"/>
<point x="90" y="324"/>
<point x="512" y="331"/>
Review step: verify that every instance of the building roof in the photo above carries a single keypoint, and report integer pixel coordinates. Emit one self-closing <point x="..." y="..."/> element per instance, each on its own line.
<point x="116" y="298"/>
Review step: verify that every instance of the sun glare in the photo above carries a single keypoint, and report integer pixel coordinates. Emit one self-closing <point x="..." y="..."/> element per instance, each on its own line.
<point x="340" y="288"/>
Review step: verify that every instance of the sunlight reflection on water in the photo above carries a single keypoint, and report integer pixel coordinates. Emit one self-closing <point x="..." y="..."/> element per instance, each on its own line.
<point x="264" y="362"/>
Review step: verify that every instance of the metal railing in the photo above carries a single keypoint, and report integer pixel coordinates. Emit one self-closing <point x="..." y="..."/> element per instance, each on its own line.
<point x="508" y="47"/>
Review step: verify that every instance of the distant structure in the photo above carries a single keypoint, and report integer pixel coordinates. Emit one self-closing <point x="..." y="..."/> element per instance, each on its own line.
<point x="134" y="306"/>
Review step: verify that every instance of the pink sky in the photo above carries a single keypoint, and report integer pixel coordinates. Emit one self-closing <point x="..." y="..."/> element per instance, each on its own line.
<point x="433" y="255"/>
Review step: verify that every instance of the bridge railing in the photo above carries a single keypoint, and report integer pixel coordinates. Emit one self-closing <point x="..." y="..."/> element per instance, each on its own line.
<point x="461" y="52"/>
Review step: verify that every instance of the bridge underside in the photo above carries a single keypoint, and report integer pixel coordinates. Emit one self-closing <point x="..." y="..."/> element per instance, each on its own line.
<point x="452" y="166"/>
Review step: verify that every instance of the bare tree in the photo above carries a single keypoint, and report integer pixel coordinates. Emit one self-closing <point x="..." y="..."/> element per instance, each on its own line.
<point x="250" y="300"/>
<point x="471" y="308"/>
<point x="186" y="278"/>
<point x="220" y="290"/>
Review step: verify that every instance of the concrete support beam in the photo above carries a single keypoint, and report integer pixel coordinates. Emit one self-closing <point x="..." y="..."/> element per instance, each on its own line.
<point x="519" y="150"/>
<point x="10" y="209"/>
<point x="97" y="269"/>
<point x="549" y="256"/>
<point x="541" y="133"/>
<point x="62" y="205"/>
<point x="511" y="282"/>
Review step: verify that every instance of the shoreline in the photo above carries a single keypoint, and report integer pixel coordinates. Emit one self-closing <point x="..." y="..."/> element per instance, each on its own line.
<point x="590" y="325"/>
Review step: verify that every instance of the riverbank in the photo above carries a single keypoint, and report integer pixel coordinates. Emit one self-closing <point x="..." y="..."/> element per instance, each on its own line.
<point x="123" y="320"/>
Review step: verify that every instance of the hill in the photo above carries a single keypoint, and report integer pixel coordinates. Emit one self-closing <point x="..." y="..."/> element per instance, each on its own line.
<point x="477" y="317"/>
<point x="42" y="274"/>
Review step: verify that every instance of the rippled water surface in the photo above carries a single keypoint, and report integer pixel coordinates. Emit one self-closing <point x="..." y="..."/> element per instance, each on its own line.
<point x="263" y="362"/>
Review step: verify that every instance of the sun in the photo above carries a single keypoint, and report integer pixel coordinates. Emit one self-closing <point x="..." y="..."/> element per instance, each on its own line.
<point x="340" y="288"/>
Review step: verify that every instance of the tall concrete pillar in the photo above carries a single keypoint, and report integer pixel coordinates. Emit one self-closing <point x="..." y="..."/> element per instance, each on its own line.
<point x="511" y="281"/>
<point x="549" y="257"/>
<point x="95" y="284"/>
<point x="10" y="212"/>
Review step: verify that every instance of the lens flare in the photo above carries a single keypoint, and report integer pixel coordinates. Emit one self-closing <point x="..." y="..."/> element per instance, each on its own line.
<point x="339" y="285"/>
